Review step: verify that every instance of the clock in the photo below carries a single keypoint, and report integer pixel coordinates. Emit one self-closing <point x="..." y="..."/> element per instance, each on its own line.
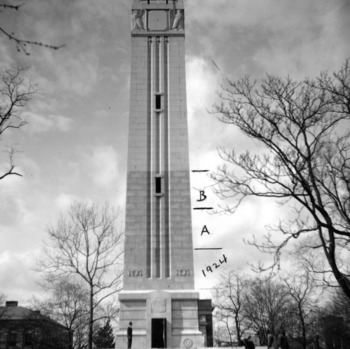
<point x="157" y="20"/>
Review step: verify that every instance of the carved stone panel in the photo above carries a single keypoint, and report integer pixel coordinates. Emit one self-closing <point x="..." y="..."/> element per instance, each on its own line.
<point x="135" y="273"/>
<point x="183" y="272"/>
<point x="188" y="342"/>
<point x="138" y="20"/>
<point x="158" y="306"/>
<point x="177" y="20"/>
<point x="158" y="20"/>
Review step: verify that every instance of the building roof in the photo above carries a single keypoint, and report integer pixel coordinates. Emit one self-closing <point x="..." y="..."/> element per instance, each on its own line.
<point x="13" y="312"/>
<point x="205" y="305"/>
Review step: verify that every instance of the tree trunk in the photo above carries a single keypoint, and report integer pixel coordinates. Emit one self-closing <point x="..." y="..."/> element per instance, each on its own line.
<point x="229" y="333"/>
<point x="91" y="317"/>
<point x="303" y="329"/>
<point x="238" y="332"/>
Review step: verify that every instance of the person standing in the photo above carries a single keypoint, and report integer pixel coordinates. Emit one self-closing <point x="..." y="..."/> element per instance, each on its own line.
<point x="282" y="340"/>
<point x="248" y="343"/>
<point x="270" y="340"/>
<point x="129" y="335"/>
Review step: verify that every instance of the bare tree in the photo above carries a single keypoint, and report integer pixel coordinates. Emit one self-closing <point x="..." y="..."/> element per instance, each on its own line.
<point x="68" y="305"/>
<point x="267" y="306"/>
<point x="2" y="298"/>
<point x="224" y="330"/>
<point x="21" y="44"/>
<point x="300" y="288"/>
<point x="229" y="299"/>
<point x="15" y="94"/>
<point x="87" y="245"/>
<point x="303" y="161"/>
<point x="334" y="322"/>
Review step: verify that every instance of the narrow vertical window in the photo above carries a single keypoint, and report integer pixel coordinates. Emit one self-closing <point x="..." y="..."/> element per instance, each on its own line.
<point x="11" y="339"/>
<point x="28" y="338"/>
<point x="158" y="102"/>
<point x="158" y="185"/>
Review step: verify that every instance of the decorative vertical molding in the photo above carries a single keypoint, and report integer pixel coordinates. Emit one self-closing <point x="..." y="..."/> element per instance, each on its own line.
<point x="167" y="266"/>
<point x="158" y="156"/>
<point x="149" y="160"/>
<point x="154" y="159"/>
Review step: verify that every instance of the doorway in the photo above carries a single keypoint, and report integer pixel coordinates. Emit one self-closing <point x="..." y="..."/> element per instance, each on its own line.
<point x="158" y="333"/>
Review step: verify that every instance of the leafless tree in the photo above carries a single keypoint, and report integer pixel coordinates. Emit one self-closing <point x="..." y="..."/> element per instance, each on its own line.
<point x="15" y="94"/>
<point x="68" y="305"/>
<point x="300" y="288"/>
<point x="87" y="245"/>
<point x="267" y="306"/>
<point x="334" y="322"/>
<point x="224" y="330"/>
<point x="229" y="296"/>
<point x="2" y="298"/>
<point x="303" y="161"/>
<point x="21" y="44"/>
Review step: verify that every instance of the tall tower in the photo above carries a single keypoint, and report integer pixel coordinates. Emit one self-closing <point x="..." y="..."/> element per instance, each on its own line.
<point x="158" y="296"/>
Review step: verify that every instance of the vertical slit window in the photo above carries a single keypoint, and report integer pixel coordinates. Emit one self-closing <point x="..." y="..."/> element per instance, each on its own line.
<point x="158" y="185"/>
<point x="11" y="339"/>
<point x="158" y="102"/>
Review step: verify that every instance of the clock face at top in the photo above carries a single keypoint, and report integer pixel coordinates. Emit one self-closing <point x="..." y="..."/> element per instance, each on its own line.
<point x="157" y="20"/>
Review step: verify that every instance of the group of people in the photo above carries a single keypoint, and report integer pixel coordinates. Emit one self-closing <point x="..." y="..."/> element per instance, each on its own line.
<point x="279" y="341"/>
<point x="273" y="342"/>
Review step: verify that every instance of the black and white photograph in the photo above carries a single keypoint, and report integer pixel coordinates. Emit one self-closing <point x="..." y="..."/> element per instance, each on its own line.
<point x="174" y="174"/>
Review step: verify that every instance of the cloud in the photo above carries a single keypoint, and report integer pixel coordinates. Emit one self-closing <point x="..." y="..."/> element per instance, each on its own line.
<point x="279" y="37"/>
<point x="102" y="165"/>
<point x="64" y="201"/>
<point x="201" y="80"/>
<point x="79" y="76"/>
<point x="6" y="59"/>
<point x="40" y="123"/>
<point x="60" y="73"/>
<point x="18" y="280"/>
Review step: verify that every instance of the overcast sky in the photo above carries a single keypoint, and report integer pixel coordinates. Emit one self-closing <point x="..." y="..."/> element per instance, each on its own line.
<point x="75" y="145"/>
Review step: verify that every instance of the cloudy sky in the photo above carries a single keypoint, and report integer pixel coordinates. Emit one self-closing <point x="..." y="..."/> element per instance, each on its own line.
<point x="75" y="145"/>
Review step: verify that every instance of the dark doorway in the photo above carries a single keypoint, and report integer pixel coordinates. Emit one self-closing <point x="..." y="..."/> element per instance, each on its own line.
<point x="158" y="333"/>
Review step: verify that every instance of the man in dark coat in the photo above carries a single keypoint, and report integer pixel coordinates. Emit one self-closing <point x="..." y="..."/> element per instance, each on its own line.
<point x="248" y="343"/>
<point x="129" y="335"/>
<point x="282" y="340"/>
<point x="270" y="340"/>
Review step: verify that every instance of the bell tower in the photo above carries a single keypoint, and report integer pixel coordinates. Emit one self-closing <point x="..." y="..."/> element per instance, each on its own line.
<point x="158" y="295"/>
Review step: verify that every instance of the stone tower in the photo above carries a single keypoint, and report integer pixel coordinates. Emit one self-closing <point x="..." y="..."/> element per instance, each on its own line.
<point x="158" y="295"/>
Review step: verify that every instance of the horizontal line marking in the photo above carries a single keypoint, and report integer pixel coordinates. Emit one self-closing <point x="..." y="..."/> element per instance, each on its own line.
<point x="208" y="248"/>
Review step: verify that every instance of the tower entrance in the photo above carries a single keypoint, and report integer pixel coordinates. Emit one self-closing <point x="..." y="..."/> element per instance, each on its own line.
<point x="158" y="333"/>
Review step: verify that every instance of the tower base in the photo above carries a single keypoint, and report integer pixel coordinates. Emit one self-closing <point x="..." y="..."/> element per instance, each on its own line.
<point x="161" y="319"/>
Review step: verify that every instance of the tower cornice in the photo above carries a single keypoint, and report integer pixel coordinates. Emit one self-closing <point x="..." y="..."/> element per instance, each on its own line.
<point x="158" y="4"/>
<point x="159" y="33"/>
<point x="156" y="17"/>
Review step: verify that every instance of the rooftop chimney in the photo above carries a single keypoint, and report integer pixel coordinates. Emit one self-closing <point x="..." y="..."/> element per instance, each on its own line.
<point x="11" y="304"/>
